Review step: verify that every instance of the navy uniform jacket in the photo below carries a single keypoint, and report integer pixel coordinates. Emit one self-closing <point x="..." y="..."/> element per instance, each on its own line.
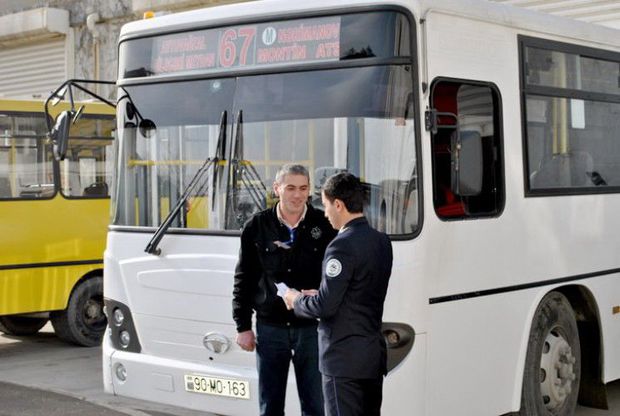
<point x="356" y="270"/>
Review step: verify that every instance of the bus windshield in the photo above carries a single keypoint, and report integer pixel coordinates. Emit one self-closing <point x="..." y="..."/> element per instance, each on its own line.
<point x="358" y="119"/>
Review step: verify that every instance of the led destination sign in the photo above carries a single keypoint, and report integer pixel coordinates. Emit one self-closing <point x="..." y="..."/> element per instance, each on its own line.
<point x="309" y="40"/>
<point x="380" y="35"/>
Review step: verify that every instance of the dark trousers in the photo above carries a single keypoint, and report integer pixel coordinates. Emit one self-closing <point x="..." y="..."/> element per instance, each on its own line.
<point x="275" y="347"/>
<point x="352" y="397"/>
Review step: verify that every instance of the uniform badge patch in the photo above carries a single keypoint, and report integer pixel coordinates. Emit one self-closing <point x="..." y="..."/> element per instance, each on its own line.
<point x="333" y="268"/>
<point x="316" y="233"/>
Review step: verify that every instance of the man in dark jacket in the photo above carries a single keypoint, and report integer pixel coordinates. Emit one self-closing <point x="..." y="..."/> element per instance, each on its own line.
<point x="284" y="244"/>
<point x="349" y="303"/>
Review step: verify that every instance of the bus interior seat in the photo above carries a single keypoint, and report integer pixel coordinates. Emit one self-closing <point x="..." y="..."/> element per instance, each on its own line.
<point x="552" y="172"/>
<point x="96" y="189"/>
<point x="452" y="206"/>
<point x="580" y="164"/>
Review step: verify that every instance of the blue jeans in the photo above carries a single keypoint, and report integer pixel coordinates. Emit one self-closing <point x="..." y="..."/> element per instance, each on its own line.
<point x="275" y="347"/>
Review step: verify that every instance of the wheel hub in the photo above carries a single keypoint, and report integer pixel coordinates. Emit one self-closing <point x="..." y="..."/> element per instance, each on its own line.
<point x="556" y="371"/>
<point x="93" y="312"/>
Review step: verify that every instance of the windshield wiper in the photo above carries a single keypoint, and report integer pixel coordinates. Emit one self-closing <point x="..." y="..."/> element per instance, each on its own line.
<point x="210" y="162"/>
<point x="244" y="173"/>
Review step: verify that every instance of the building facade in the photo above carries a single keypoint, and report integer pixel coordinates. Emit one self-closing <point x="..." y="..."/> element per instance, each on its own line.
<point x="44" y="43"/>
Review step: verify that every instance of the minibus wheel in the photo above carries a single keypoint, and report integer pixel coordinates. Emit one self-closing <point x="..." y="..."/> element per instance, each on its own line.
<point x="553" y="362"/>
<point x="83" y="322"/>
<point x="21" y="325"/>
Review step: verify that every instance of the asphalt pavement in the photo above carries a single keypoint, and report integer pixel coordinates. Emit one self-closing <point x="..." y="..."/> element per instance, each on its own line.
<point x="43" y="376"/>
<point x="19" y="400"/>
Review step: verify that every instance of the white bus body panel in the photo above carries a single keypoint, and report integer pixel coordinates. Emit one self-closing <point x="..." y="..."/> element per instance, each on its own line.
<point x="176" y="299"/>
<point x="477" y="346"/>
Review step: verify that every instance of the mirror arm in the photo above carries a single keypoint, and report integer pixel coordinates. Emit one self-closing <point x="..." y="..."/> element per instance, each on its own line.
<point x="68" y="84"/>
<point x="97" y="96"/>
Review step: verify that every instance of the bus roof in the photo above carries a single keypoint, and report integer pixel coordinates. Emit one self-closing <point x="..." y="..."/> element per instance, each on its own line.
<point x="482" y="10"/>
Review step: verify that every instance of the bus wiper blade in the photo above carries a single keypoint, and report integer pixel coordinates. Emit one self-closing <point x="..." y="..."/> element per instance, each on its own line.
<point x="210" y="162"/>
<point x="245" y="170"/>
<point x="244" y="174"/>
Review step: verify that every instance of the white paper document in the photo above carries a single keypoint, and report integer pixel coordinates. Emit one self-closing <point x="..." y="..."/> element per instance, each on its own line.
<point x="282" y="288"/>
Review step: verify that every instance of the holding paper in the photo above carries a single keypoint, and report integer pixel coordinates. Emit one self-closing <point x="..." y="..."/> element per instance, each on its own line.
<point x="282" y="288"/>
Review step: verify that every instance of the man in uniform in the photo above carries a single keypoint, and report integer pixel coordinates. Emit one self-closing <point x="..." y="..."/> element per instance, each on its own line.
<point x="284" y="244"/>
<point x="349" y="303"/>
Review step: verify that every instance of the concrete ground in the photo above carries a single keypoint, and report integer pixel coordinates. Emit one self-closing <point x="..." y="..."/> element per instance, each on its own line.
<point x="43" y="376"/>
<point x="18" y="400"/>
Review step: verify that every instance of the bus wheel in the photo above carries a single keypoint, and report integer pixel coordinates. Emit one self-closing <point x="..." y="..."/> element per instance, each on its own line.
<point x="553" y="361"/>
<point x="21" y="325"/>
<point x="83" y="322"/>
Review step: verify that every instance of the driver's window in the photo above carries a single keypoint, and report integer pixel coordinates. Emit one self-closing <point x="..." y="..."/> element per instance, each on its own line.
<point x="462" y="108"/>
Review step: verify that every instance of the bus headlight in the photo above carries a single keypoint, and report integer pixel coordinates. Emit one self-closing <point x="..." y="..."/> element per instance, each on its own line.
<point x="122" y="331"/>
<point x="392" y="338"/>
<point x="124" y="338"/>
<point x="118" y="317"/>
<point x="399" y="340"/>
<point x="120" y="371"/>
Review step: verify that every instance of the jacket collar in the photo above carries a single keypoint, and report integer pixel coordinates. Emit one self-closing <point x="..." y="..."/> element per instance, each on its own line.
<point x="353" y="223"/>
<point x="291" y="226"/>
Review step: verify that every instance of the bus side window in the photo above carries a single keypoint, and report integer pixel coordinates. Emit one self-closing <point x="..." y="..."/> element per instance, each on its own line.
<point x="465" y="108"/>
<point x="86" y="170"/>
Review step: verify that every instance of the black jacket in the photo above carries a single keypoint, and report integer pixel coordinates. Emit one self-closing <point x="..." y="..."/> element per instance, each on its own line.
<point x="356" y="271"/>
<point x="263" y="261"/>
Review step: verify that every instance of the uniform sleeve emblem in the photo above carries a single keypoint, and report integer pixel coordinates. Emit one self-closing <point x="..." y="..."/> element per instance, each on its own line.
<point x="333" y="268"/>
<point x="316" y="233"/>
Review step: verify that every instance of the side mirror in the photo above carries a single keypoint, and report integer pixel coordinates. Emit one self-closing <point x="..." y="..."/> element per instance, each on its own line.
<point x="60" y="134"/>
<point x="466" y="172"/>
<point x="147" y="128"/>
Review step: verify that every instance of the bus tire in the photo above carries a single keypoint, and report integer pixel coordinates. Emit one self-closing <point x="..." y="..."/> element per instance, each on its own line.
<point x="83" y="322"/>
<point x="21" y="325"/>
<point x="553" y="362"/>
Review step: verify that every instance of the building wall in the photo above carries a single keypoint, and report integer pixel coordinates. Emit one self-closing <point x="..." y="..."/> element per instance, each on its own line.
<point x="113" y="15"/>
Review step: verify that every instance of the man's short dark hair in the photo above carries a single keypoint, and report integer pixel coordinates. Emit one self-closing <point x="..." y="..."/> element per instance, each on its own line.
<point x="347" y="188"/>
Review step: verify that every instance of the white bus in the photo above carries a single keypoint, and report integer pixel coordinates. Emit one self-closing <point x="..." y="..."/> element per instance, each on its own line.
<point x="489" y="141"/>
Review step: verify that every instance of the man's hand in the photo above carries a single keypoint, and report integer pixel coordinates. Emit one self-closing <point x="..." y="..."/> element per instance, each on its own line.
<point x="309" y="292"/>
<point x="289" y="298"/>
<point x="246" y="340"/>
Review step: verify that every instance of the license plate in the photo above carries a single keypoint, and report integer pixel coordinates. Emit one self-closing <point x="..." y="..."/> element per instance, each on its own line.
<point x="217" y="386"/>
